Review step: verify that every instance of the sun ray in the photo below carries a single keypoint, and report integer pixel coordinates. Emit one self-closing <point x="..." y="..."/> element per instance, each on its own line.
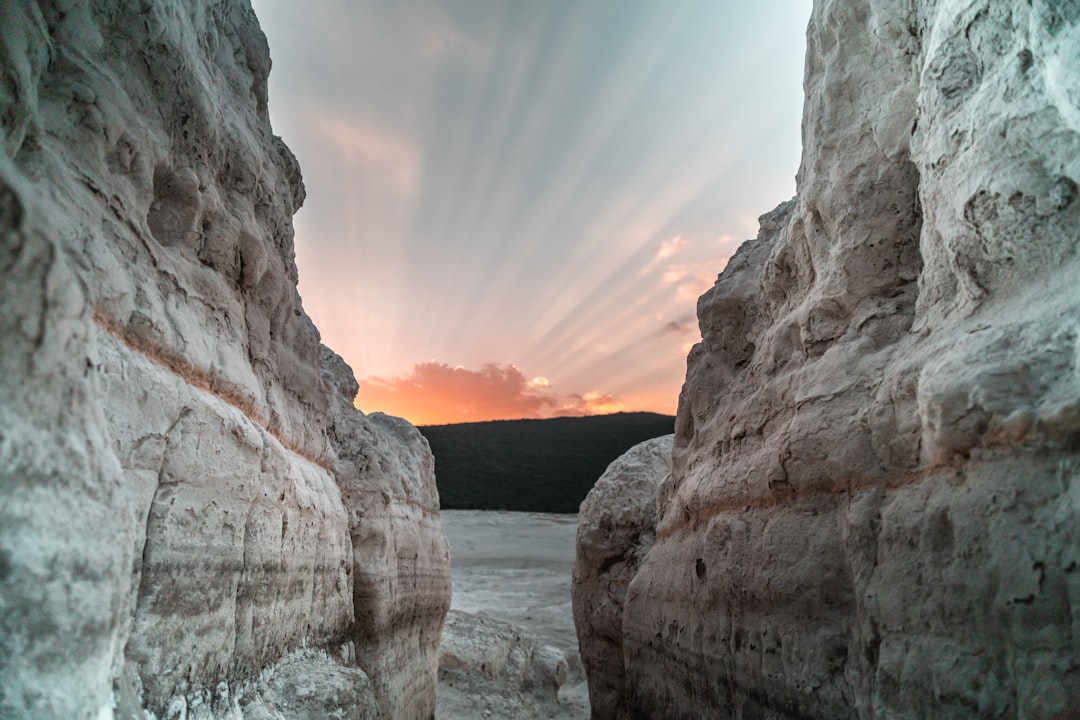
<point x="491" y="183"/>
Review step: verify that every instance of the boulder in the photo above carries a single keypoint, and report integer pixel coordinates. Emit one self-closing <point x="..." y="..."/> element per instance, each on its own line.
<point x="490" y="668"/>
<point x="616" y="527"/>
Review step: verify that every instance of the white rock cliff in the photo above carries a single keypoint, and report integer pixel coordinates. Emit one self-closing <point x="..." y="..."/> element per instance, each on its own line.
<point x="874" y="508"/>
<point x="187" y="497"/>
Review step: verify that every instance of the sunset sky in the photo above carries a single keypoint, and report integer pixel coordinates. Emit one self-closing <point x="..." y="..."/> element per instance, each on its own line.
<point x="513" y="205"/>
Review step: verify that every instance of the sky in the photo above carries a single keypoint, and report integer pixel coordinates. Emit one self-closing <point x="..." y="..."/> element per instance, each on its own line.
<point x="513" y="205"/>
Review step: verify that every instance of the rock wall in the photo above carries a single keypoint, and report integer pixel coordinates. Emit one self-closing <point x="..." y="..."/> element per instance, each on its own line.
<point x="174" y="514"/>
<point x="616" y="528"/>
<point x="401" y="558"/>
<point x="874" y="508"/>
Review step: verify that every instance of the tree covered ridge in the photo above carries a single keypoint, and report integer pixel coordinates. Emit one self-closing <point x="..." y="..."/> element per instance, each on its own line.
<point x="533" y="465"/>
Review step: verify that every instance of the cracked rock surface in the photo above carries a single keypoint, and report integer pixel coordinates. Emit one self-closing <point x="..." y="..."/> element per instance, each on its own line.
<point x="187" y="497"/>
<point x="873" y="509"/>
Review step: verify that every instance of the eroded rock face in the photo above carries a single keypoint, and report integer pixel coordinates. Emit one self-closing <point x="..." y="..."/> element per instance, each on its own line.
<point x="401" y="559"/>
<point x="874" y="500"/>
<point x="171" y="521"/>
<point x="616" y="527"/>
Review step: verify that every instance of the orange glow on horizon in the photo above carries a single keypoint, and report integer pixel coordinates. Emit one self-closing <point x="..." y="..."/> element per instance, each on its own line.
<point x="438" y="394"/>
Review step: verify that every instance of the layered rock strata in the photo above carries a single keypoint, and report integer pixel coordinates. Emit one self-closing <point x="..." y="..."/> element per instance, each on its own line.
<point x="179" y="500"/>
<point x="616" y="528"/>
<point x="874" y="509"/>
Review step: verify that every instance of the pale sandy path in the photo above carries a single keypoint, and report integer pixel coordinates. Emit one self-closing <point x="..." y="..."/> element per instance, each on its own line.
<point x="516" y="567"/>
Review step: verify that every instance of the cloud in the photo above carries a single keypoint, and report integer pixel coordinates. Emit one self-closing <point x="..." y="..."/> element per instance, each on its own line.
<point x="673" y="274"/>
<point x="445" y="41"/>
<point x="693" y="274"/>
<point x="692" y="285"/>
<point x="666" y="250"/>
<point x="591" y="403"/>
<point x="390" y="159"/>
<point x="679" y="326"/>
<point x="437" y="393"/>
<point x="670" y="247"/>
<point x="690" y="281"/>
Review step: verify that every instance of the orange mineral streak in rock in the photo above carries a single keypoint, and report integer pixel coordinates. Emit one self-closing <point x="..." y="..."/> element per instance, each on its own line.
<point x="204" y="380"/>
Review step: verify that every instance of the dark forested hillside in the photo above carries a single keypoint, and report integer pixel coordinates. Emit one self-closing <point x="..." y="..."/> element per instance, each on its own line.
<point x="534" y="465"/>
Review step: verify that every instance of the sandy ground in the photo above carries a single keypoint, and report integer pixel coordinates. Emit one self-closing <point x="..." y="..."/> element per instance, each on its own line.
<point x="516" y="567"/>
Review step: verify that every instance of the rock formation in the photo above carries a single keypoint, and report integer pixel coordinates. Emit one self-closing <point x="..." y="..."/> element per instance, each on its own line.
<point x="873" y="509"/>
<point x="187" y="498"/>
<point x="616" y="527"/>
<point x="491" y="668"/>
<point x="401" y="559"/>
